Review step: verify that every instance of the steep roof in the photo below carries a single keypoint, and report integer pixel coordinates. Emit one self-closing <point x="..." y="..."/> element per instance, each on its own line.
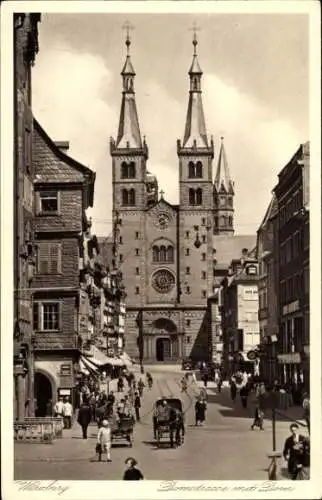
<point x="106" y="249"/>
<point x="195" y="133"/>
<point x="49" y="160"/>
<point x="222" y="178"/>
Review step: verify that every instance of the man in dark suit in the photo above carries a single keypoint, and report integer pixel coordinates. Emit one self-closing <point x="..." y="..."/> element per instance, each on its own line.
<point x="293" y="450"/>
<point x="84" y="417"/>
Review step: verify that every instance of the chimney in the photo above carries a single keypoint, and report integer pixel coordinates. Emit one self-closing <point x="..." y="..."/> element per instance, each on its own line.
<point x="62" y="145"/>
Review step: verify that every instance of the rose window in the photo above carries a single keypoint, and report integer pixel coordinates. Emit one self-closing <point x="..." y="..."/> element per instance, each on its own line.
<point x="162" y="221"/>
<point x="163" y="281"/>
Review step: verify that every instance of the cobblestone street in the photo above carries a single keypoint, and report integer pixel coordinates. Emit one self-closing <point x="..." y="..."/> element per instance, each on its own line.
<point x="233" y="450"/>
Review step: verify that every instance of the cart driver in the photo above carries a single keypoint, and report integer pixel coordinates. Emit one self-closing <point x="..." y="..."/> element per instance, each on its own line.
<point x="163" y="411"/>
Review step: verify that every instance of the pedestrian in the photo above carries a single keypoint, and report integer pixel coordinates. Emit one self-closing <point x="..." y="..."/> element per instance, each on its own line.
<point x="306" y="409"/>
<point x="292" y="451"/>
<point x="92" y="405"/>
<point x="49" y="408"/>
<point x="141" y="386"/>
<point x="303" y="465"/>
<point x="155" y="417"/>
<point x="183" y="384"/>
<point x="199" y="412"/>
<point x="258" y="418"/>
<point x="244" y="395"/>
<point x="137" y="406"/>
<point x="104" y="441"/>
<point x="67" y="413"/>
<point x="233" y="390"/>
<point x="205" y="379"/>
<point x="120" y="384"/>
<point x="132" y="473"/>
<point x="58" y="410"/>
<point x="111" y="398"/>
<point x="84" y="417"/>
<point x="193" y="378"/>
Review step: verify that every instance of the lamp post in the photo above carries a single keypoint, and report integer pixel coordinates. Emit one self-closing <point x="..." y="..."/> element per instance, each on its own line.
<point x="275" y="454"/>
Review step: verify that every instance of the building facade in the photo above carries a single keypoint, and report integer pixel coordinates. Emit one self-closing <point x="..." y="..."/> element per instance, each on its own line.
<point x="267" y="255"/>
<point x="167" y="253"/>
<point x="292" y="193"/>
<point x="64" y="189"/>
<point x="240" y="325"/>
<point x="25" y="50"/>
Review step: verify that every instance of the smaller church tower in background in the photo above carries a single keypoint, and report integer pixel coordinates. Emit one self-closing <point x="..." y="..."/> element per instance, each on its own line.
<point x="223" y="196"/>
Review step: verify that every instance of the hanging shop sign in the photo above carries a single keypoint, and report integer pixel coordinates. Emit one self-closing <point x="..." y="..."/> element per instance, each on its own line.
<point x="293" y="358"/>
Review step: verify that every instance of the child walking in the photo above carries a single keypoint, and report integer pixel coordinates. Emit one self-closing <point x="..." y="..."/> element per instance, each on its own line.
<point x="104" y="441"/>
<point x="258" y="418"/>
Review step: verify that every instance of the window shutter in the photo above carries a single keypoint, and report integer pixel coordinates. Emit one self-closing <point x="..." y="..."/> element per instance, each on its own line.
<point x="37" y="202"/>
<point x="36" y="316"/>
<point x="43" y="258"/>
<point x="55" y="258"/>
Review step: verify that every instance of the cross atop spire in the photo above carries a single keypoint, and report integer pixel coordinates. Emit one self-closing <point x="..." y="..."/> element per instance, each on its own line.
<point x="195" y="28"/>
<point x="161" y="194"/>
<point x="128" y="26"/>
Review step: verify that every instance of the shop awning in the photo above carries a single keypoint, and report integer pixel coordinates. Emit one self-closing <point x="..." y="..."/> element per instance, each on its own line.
<point x="83" y="361"/>
<point x="125" y="358"/>
<point x="82" y="367"/>
<point x="98" y="358"/>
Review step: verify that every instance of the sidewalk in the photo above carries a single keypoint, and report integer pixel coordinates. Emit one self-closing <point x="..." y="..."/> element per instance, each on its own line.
<point x="292" y="414"/>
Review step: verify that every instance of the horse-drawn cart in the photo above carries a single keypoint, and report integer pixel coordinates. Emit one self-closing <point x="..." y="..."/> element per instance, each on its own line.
<point x="166" y="423"/>
<point x="122" y="429"/>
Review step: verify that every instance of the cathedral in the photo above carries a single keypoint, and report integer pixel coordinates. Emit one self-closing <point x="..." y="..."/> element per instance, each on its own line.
<point x="171" y="256"/>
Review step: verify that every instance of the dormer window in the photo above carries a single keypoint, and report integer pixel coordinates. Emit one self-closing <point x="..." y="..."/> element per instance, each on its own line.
<point x="251" y="270"/>
<point x="49" y="202"/>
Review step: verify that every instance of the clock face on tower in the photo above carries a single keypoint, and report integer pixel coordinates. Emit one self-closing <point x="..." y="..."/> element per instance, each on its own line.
<point x="162" y="221"/>
<point x="163" y="281"/>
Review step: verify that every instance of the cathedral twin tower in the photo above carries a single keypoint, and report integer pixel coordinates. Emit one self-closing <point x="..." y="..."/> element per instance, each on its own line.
<point x="165" y="251"/>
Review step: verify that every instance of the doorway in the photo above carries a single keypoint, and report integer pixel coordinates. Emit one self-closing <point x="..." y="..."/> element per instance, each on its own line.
<point x="163" y="350"/>
<point x="43" y="395"/>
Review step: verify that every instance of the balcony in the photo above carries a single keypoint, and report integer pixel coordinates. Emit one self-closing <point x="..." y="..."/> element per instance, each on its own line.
<point x="46" y="341"/>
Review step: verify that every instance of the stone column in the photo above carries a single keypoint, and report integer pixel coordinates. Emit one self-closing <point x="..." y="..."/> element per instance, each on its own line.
<point x="20" y="394"/>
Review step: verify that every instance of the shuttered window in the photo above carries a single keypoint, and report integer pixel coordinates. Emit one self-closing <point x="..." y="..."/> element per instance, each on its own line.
<point x="49" y="258"/>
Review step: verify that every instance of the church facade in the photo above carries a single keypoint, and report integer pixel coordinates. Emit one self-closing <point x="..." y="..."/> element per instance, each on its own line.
<point x="167" y="253"/>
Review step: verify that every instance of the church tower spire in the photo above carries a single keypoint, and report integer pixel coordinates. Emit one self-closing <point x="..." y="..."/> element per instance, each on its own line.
<point x="129" y="134"/>
<point x="195" y="129"/>
<point x="223" y="196"/>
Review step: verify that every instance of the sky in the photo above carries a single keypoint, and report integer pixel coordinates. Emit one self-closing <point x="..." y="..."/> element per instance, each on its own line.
<point x="255" y="94"/>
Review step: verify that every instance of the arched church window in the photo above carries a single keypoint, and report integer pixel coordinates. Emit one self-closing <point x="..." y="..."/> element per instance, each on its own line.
<point x="191" y="170"/>
<point x="131" y="170"/>
<point x="155" y="254"/>
<point x="162" y="254"/>
<point x="195" y="84"/>
<point x="125" y="197"/>
<point x="230" y="201"/>
<point x="216" y="222"/>
<point x="230" y="221"/>
<point x="192" y="197"/>
<point x="131" y="197"/>
<point x="199" y="169"/>
<point x="170" y="253"/>
<point x="222" y="220"/>
<point x="124" y="170"/>
<point x="199" y="196"/>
